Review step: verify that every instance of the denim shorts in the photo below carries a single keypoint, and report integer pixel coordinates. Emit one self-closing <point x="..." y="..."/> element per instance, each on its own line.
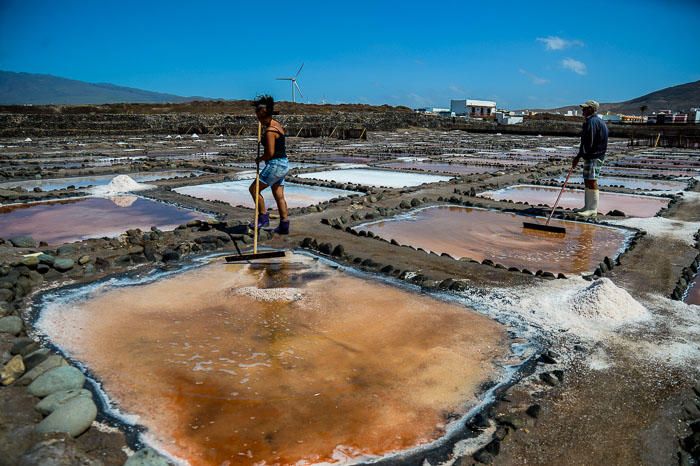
<point x="591" y="169"/>
<point x="274" y="172"/>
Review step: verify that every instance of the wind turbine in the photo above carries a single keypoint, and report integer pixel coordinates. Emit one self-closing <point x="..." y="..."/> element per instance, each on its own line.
<point x="293" y="82"/>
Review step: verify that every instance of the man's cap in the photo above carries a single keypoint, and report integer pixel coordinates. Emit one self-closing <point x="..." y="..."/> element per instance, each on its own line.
<point x="591" y="104"/>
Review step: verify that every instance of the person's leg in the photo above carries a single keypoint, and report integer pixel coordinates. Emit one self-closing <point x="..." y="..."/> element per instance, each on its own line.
<point x="591" y="172"/>
<point x="261" y="201"/>
<point x="263" y="217"/>
<point x="278" y="193"/>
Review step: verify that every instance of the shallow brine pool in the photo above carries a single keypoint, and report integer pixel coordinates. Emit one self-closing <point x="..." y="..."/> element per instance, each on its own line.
<point x="60" y="222"/>
<point x="53" y="184"/>
<point x="236" y="193"/>
<point x="635" y="183"/>
<point x="455" y="168"/>
<point x="293" y="362"/>
<point x="374" y="177"/>
<point x="632" y="205"/>
<point x="485" y="234"/>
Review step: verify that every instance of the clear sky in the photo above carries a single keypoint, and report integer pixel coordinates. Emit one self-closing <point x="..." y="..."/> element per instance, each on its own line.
<point x="523" y="54"/>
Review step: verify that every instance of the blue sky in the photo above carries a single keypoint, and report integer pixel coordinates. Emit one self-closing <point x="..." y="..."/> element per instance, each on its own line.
<point x="523" y="54"/>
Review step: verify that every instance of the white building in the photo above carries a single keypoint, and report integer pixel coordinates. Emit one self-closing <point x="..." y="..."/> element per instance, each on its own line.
<point x="694" y="115"/>
<point x="503" y="118"/>
<point x="473" y="108"/>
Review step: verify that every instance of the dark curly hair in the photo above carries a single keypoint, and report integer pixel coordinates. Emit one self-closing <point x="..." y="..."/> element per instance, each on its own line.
<point x="267" y="101"/>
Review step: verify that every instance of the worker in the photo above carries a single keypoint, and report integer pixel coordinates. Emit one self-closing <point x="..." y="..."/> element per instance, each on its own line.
<point x="594" y="143"/>
<point x="276" y="164"/>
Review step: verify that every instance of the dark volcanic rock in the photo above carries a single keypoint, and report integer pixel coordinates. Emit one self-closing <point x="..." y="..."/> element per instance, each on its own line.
<point x="23" y="242"/>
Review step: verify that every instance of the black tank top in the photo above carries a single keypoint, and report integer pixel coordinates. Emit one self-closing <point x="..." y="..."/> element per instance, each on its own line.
<point x="280" y="145"/>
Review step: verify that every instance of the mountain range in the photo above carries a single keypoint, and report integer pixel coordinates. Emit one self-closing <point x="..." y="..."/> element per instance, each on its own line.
<point x="43" y="89"/>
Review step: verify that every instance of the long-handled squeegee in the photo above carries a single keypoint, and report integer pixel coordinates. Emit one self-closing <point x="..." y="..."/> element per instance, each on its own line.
<point x="255" y="254"/>
<point x="546" y="226"/>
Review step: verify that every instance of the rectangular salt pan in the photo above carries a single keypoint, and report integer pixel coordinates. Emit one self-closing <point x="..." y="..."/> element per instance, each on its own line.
<point x="372" y="177"/>
<point x="632" y="205"/>
<point x="455" y="168"/>
<point x="52" y="184"/>
<point x="634" y="183"/>
<point x="59" y="222"/>
<point x="236" y="193"/>
<point x="276" y="363"/>
<point x="484" y="234"/>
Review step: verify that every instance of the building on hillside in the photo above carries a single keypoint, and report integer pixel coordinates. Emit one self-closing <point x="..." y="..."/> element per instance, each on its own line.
<point x="435" y="111"/>
<point x="694" y="115"/>
<point x="471" y="108"/>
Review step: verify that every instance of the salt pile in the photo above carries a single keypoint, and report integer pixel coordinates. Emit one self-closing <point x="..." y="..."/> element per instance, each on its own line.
<point x="602" y="300"/>
<point x="120" y="184"/>
<point x="270" y="294"/>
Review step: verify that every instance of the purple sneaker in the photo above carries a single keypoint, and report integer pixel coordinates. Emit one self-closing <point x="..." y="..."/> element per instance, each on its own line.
<point x="283" y="228"/>
<point x="263" y="221"/>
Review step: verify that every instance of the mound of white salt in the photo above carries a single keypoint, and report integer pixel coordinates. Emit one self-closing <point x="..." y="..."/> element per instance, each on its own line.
<point x="120" y="184"/>
<point x="270" y="294"/>
<point x="603" y="300"/>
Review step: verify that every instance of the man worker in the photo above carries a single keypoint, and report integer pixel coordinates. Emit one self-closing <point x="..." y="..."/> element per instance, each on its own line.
<point x="594" y="143"/>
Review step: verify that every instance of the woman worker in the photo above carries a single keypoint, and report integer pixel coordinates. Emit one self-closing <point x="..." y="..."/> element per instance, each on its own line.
<point x="276" y="164"/>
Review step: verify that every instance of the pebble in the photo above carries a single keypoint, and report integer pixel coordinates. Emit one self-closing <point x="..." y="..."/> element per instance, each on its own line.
<point x="74" y="417"/>
<point x="12" y="370"/>
<point x="63" y="265"/>
<point x="55" y="400"/>
<point x="51" y="362"/>
<point x="57" y="379"/>
<point x="23" y="242"/>
<point x="146" y="457"/>
<point x="11" y="324"/>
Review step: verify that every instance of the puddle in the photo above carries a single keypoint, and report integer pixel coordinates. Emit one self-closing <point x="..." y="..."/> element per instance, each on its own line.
<point x="236" y="193"/>
<point x="59" y="222"/>
<point x="455" y="168"/>
<point x="634" y="183"/>
<point x="484" y="234"/>
<point x="632" y="205"/>
<point x="373" y="177"/>
<point x="648" y="171"/>
<point x="53" y="184"/>
<point x="692" y="296"/>
<point x="280" y="363"/>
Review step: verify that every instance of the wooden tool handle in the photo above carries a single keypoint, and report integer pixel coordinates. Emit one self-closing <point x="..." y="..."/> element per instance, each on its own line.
<point x="556" y="203"/>
<point x="257" y="192"/>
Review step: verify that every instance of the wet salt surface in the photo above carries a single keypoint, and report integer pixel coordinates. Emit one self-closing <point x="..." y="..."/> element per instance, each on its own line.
<point x="60" y="222"/>
<point x="635" y="183"/>
<point x="373" y="177"/>
<point x="292" y="165"/>
<point x="483" y="234"/>
<point x="236" y="193"/>
<point x="53" y="184"/>
<point x="632" y="205"/>
<point x="647" y="171"/>
<point x="456" y="168"/>
<point x="276" y="363"/>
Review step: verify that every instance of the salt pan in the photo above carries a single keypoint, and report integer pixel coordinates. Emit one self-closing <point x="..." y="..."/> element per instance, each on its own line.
<point x="270" y="294"/>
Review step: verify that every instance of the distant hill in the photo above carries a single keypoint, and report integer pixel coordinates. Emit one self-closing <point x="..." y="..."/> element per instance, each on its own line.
<point x="677" y="98"/>
<point x="44" y="89"/>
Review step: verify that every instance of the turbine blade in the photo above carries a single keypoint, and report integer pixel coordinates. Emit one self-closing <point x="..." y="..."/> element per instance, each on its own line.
<point x="298" y="89"/>
<point x="299" y="71"/>
<point x="284" y="79"/>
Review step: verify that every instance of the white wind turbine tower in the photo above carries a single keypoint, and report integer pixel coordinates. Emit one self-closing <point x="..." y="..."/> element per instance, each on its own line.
<point x="293" y="82"/>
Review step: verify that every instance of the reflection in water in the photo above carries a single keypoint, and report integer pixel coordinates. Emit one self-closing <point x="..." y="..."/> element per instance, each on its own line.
<point x="279" y="363"/>
<point x="236" y="193"/>
<point x="484" y="234"/>
<point x="632" y="205"/>
<point x="60" y="222"/>
<point x="374" y="177"/>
